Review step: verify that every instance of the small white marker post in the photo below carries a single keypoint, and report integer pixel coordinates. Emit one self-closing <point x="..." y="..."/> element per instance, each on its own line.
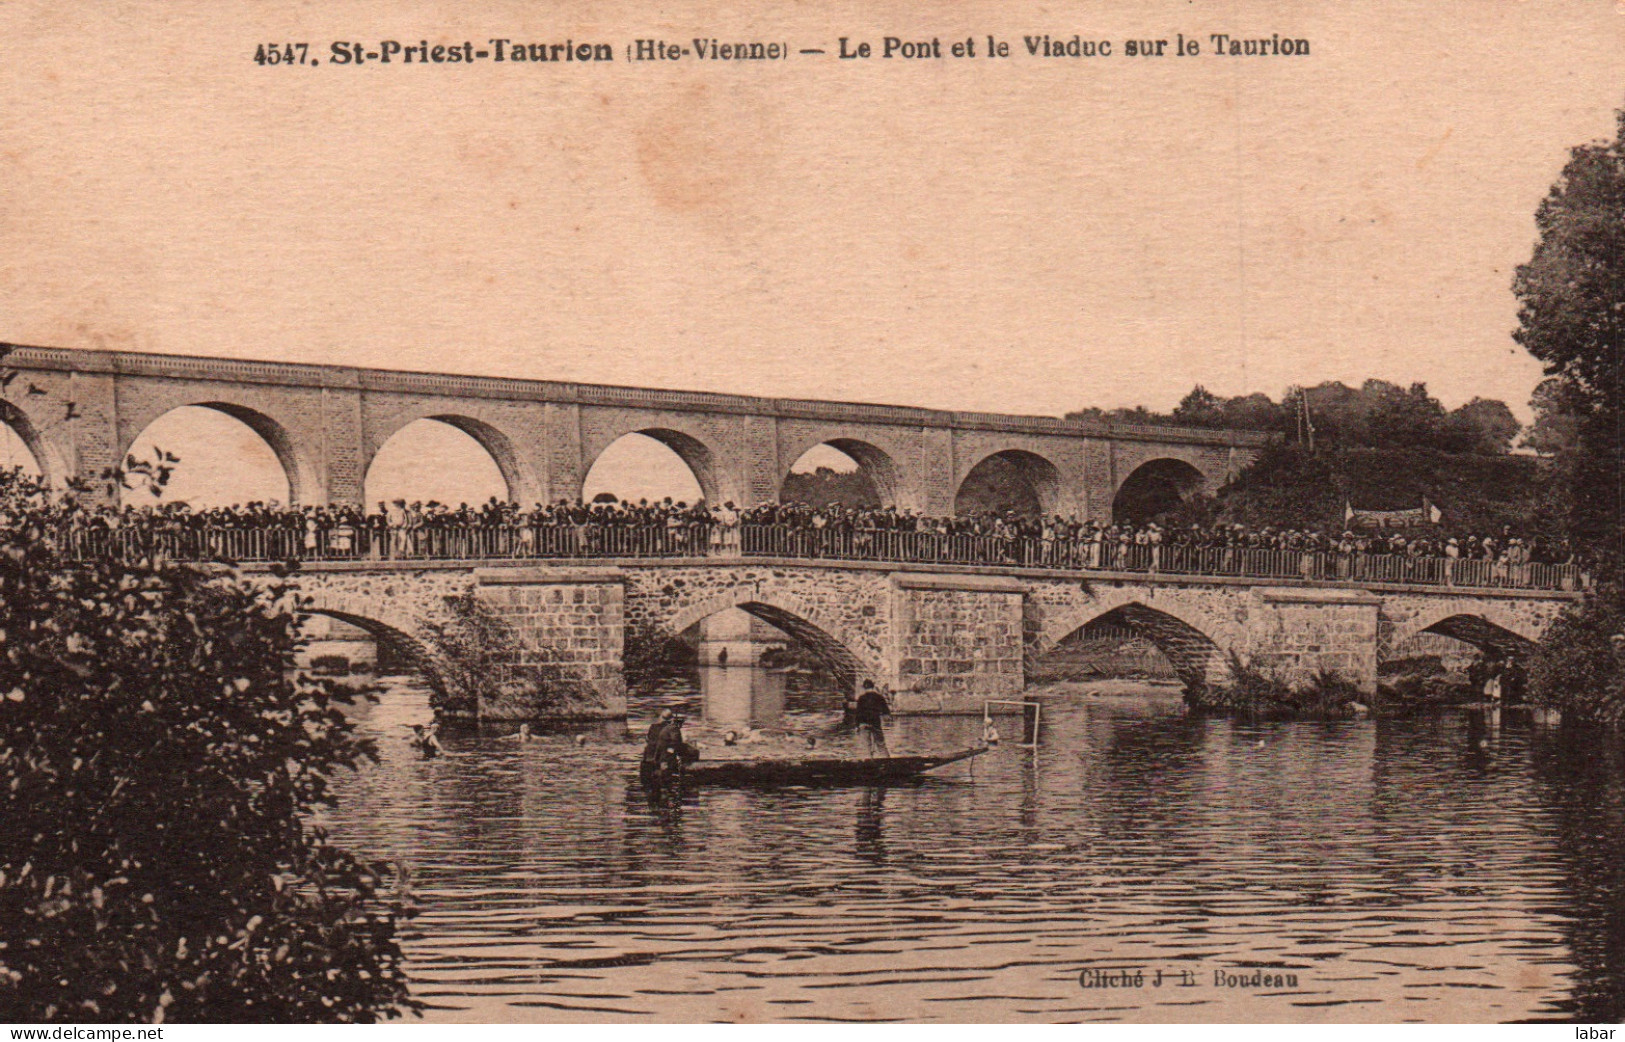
<point x="1030" y="739"/>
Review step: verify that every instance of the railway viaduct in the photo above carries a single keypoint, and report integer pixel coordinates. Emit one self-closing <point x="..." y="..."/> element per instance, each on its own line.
<point x="326" y="423"/>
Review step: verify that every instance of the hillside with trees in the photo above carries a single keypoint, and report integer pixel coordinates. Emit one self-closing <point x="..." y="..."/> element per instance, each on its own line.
<point x="1378" y="446"/>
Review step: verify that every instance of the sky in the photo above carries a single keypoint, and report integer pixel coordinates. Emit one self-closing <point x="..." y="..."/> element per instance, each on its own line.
<point x="1021" y="235"/>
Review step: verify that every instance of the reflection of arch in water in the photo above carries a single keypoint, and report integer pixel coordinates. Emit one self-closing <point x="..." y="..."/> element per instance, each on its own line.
<point x="298" y="465"/>
<point x="1013" y="480"/>
<point x="792" y="617"/>
<point x="695" y="454"/>
<point x="519" y="483"/>
<point x="1197" y="659"/>
<point x="1155" y="487"/>
<point x="874" y="463"/>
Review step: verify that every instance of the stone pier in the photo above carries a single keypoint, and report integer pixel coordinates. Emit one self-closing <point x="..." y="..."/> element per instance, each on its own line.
<point x="568" y="630"/>
<point x="956" y="641"/>
<point x="1301" y="633"/>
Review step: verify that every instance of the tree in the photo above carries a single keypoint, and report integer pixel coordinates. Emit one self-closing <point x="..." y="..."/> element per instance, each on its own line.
<point x="1377" y="414"/>
<point x="1577" y="667"/>
<point x="1484" y="425"/>
<point x="1254" y="412"/>
<point x="158" y="759"/>
<point x="1571" y="316"/>
<point x="1559" y="408"/>
<point x="852" y="489"/>
<point x="1200" y="408"/>
<point x="1404" y="418"/>
<point x="1139" y="416"/>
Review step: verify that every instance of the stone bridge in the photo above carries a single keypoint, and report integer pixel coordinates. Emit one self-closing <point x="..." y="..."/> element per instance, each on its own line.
<point x="942" y="638"/>
<point x="327" y="423"/>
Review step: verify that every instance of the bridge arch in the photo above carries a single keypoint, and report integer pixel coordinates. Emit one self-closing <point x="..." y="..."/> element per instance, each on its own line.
<point x="297" y="460"/>
<point x="518" y="479"/>
<point x="801" y="621"/>
<point x="396" y="617"/>
<point x="1197" y="657"/>
<point x="403" y="644"/>
<point x="874" y="463"/>
<point x="1017" y="480"/>
<point x="695" y="454"/>
<point x="1487" y="626"/>
<point x="1155" y="487"/>
<point x="51" y="465"/>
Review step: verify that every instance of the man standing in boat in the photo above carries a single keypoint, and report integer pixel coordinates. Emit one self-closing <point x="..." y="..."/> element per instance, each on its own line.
<point x="652" y="746"/>
<point x="867" y="713"/>
<point x="665" y="753"/>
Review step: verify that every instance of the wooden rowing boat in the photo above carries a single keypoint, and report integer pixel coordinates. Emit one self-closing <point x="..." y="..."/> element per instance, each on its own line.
<point x="879" y="770"/>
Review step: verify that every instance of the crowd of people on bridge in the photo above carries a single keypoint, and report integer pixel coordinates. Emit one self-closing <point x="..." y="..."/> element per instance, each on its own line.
<point x="498" y="528"/>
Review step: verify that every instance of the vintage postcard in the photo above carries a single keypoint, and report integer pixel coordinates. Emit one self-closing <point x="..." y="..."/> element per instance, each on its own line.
<point x="811" y="512"/>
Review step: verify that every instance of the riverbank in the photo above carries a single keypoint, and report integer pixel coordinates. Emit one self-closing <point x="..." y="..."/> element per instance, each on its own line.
<point x="1263" y="694"/>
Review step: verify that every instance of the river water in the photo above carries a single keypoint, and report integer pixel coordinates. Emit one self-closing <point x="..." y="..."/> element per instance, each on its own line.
<point x="1441" y="869"/>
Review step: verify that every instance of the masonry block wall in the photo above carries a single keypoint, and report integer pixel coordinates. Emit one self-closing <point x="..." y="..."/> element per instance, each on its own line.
<point x="943" y="642"/>
<point x="1301" y="632"/>
<point x="956" y="640"/>
<point x="569" y="630"/>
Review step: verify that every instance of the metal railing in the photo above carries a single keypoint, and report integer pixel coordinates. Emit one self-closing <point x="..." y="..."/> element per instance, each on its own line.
<point x="509" y="542"/>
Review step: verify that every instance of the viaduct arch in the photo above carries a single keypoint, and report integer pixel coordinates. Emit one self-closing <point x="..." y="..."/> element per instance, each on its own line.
<point x="52" y="466"/>
<point x="877" y="464"/>
<point x="326" y="423"/>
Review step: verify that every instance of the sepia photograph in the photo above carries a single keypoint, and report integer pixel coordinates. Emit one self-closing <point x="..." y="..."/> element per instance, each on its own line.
<point x="811" y="513"/>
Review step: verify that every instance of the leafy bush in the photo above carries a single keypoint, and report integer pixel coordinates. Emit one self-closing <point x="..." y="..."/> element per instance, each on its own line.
<point x="1265" y="694"/>
<point x="651" y="654"/>
<point x="1577" y="667"/>
<point x="158" y="757"/>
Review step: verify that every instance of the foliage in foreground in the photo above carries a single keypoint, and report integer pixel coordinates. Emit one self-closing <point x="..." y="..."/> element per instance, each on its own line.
<point x="158" y="758"/>
<point x="1571" y="316"/>
<point x="1577" y="666"/>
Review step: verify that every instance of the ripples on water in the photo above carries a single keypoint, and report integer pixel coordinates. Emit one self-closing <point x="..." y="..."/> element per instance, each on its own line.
<point x="1427" y="870"/>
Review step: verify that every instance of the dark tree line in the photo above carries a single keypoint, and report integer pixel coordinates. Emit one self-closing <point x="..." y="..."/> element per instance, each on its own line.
<point x="1377" y="414"/>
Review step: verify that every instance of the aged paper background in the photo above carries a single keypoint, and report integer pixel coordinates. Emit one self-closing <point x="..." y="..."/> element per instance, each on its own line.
<point x="1018" y="234"/>
<point x="1023" y="235"/>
